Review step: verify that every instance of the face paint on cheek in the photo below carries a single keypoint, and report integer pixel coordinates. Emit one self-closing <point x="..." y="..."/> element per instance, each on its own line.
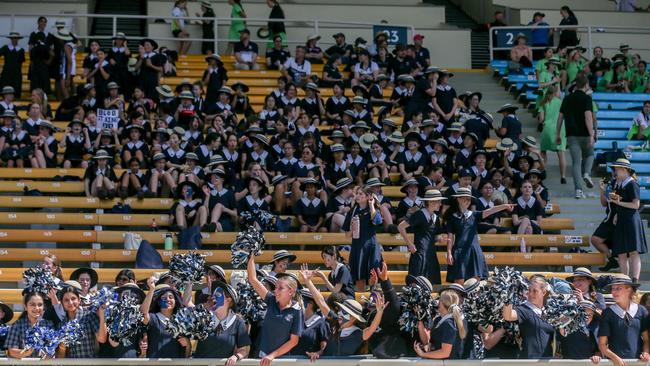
<point x="163" y="303"/>
<point x="218" y="298"/>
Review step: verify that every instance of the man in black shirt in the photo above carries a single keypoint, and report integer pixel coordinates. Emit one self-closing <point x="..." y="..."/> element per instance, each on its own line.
<point x="340" y="48"/>
<point x="577" y="112"/>
<point x="598" y="66"/>
<point x="402" y="64"/>
<point x="276" y="56"/>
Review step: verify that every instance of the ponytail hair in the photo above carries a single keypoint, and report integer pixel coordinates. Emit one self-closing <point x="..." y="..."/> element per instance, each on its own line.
<point x="548" y="96"/>
<point x="333" y="251"/>
<point x="451" y="301"/>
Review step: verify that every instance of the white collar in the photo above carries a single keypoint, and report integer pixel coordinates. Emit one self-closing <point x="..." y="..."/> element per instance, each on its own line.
<point x="355" y="161"/>
<point x="78" y="138"/>
<point x="626" y="181"/>
<point x="149" y="54"/>
<point x="482" y="174"/>
<point x="136" y="144"/>
<point x="14" y="48"/>
<point x="428" y="216"/>
<point x="285" y="160"/>
<point x="118" y="49"/>
<point x="411" y="157"/>
<point x="254" y="202"/>
<point x="443" y="318"/>
<point x="314" y="202"/>
<point x="175" y="154"/>
<point x="467" y="214"/>
<point x="456" y="140"/>
<point x="523" y="203"/>
<point x="340" y="167"/>
<point x="410" y="202"/>
<point x="302" y="164"/>
<point x="338" y="267"/>
<point x="340" y="100"/>
<point x="381" y="157"/>
<point x="621" y="313"/>
<point x="446" y="87"/>
<point x="485" y="202"/>
<point x="227" y="322"/>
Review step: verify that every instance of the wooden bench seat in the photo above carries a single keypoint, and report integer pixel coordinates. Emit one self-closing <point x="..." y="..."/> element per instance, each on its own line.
<point x="311" y="257"/>
<point x="227" y="238"/>
<point x="107" y="275"/>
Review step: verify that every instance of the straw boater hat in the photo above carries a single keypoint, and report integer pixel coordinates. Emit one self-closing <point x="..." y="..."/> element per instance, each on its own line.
<point x="622" y="163"/>
<point x="353" y="308"/>
<point x="581" y="272"/>
<point x="409" y="182"/>
<point x="505" y="144"/>
<point x="433" y="195"/>
<point x="94" y="278"/>
<point x="463" y="192"/>
<point x="281" y="254"/>
<point x="621" y="279"/>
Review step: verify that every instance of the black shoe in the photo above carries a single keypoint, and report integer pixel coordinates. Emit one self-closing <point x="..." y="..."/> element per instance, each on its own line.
<point x="140" y="194"/>
<point x="612" y="263"/>
<point x="562" y="180"/>
<point x="209" y="228"/>
<point x="150" y="194"/>
<point x="102" y="194"/>
<point x="124" y="193"/>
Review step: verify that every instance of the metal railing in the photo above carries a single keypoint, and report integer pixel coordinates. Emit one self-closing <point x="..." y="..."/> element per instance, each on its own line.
<point x="349" y="361"/>
<point x="588" y="31"/>
<point x="315" y="24"/>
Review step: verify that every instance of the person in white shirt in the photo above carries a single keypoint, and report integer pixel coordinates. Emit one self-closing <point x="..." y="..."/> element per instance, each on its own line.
<point x="178" y="26"/>
<point x="297" y="69"/>
<point x="641" y="121"/>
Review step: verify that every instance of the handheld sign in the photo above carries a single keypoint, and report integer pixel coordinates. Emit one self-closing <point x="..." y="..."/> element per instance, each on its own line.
<point x="108" y="118"/>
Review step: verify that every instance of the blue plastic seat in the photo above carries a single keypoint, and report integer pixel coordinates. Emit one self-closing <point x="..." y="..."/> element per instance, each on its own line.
<point x="617" y="114"/>
<point x="609" y="105"/>
<point x="622" y="144"/>
<point x="612" y="134"/>
<point x="614" y="124"/>
<point x="620" y="97"/>
<point x="638" y="157"/>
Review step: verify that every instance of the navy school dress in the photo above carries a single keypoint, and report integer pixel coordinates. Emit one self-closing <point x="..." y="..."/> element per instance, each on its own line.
<point x="365" y="254"/>
<point x="412" y="162"/>
<point x="623" y="329"/>
<point x="310" y="210"/>
<point x="445" y="331"/>
<point x="227" y="198"/>
<point x="486" y="224"/>
<point x="468" y="257"/>
<point x="536" y="334"/>
<point x="424" y="262"/>
<point x="229" y="335"/>
<point x="162" y="344"/>
<point x="316" y="330"/>
<point x="341" y="274"/>
<point x="530" y="208"/>
<point x="629" y="235"/>
<point x="279" y="325"/>
<point x="580" y="345"/>
<point x="346" y="343"/>
<point x="503" y="350"/>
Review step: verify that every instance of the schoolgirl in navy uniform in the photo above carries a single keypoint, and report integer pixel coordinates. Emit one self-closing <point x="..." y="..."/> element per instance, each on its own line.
<point x="309" y="209"/>
<point x="510" y="124"/>
<point x="336" y="104"/>
<point x="221" y="106"/>
<point x="290" y="97"/>
<point x="464" y="255"/>
<point x="402" y="94"/>
<point x="379" y="165"/>
<point x="337" y="168"/>
<point x="76" y="143"/>
<point x="413" y="124"/>
<point x="316" y="330"/>
<point x="230" y="338"/>
<point x="425" y="225"/>
<point x="535" y="177"/>
<point x="284" y="320"/>
<point x="221" y="202"/>
<point x="464" y="158"/>
<point x="188" y="210"/>
<point x="358" y="165"/>
<point x="46" y="146"/>
<point x="536" y="333"/>
<point x="480" y="171"/>
<point x="412" y="161"/>
<point x="312" y="104"/>
<point x="623" y="328"/>
<point x="410" y="203"/>
<point x="348" y="337"/>
<point x="455" y="139"/>
<point x="160" y="177"/>
<point x="580" y="345"/>
<point x="339" y="205"/>
<point x="306" y="128"/>
<point x="31" y="316"/>
<point x="214" y="78"/>
<point x="93" y="325"/>
<point x="18" y="146"/>
<point x="585" y="287"/>
<point x="629" y="236"/>
<point x="159" y="305"/>
<point x="135" y="147"/>
<point x="133" y="182"/>
<point x="448" y="332"/>
<point x="492" y="223"/>
<point x="528" y="213"/>
<point x="339" y="280"/>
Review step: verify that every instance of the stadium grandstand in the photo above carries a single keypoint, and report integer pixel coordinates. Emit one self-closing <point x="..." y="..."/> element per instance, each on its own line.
<point x="293" y="181"/>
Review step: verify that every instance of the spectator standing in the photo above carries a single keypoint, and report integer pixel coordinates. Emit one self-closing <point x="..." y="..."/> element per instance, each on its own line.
<point x="39" y="55"/>
<point x="499" y="21"/>
<point x="422" y="56"/>
<point x="539" y="35"/>
<point x="276" y="28"/>
<point x="236" y="26"/>
<point x="118" y="57"/>
<point x="207" y="27"/>
<point x="14" y="56"/>
<point x="179" y="29"/>
<point x="150" y="66"/>
<point x="627" y="6"/>
<point x="576" y="111"/>
<point x="568" y="36"/>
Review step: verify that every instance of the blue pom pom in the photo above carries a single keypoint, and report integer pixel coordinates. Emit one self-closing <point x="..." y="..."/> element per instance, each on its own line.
<point x="250" y="306"/>
<point x="42" y="340"/>
<point x="416" y="305"/>
<point x="188" y="267"/>
<point x="194" y="323"/>
<point x="40" y="279"/>
<point x="124" y="320"/>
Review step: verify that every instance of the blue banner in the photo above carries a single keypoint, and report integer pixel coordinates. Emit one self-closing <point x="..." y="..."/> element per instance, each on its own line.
<point x="507" y="37"/>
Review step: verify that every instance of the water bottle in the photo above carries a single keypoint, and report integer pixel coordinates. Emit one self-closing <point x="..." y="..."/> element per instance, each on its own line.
<point x="169" y="242"/>
<point x="522" y="245"/>
<point x="355" y="226"/>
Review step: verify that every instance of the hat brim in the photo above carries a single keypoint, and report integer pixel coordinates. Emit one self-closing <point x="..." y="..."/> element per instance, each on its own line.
<point x="507" y="109"/>
<point x="608" y="287"/>
<point x="196" y="190"/>
<point x="133" y="288"/>
<point x="303" y="185"/>
<point x="441" y="198"/>
<point x="572" y="277"/>
<point x="94" y="278"/>
<point x="164" y="93"/>
<point x="154" y="44"/>
<point x="461" y="195"/>
<point x="15" y="37"/>
<point x="240" y="85"/>
<point x="292" y="258"/>
<point x="339" y="188"/>
<point x="628" y="167"/>
<point x="351" y="312"/>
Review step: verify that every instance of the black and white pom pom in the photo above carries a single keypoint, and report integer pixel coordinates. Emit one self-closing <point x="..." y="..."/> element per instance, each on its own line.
<point x="416" y="305"/>
<point x="40" y="279"/>
<point x="248" y="242"/>
<point x="124" y="319"/>
<point x="189" y="267"/>
<point x="562" y="311"/>
<point x="194" y="323"/>
<point x="250" y="306"/>
<point x="263" y="218"/>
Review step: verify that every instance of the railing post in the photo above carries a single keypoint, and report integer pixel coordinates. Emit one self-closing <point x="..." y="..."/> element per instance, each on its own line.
<point x="215" y="28"/>
<point x="114" y="25"/>
<point x="490" y="31"/>
<point x="13" y="22"/>
<point x="316" y="26"/>
<point x="589" y="44"/>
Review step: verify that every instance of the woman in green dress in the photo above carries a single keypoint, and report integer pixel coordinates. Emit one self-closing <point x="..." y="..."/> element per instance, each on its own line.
<point x="575" y="63"/>
<point x="236" y="26"/>
<point x="548" y="77"/>
<point x="549" y="110"/>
